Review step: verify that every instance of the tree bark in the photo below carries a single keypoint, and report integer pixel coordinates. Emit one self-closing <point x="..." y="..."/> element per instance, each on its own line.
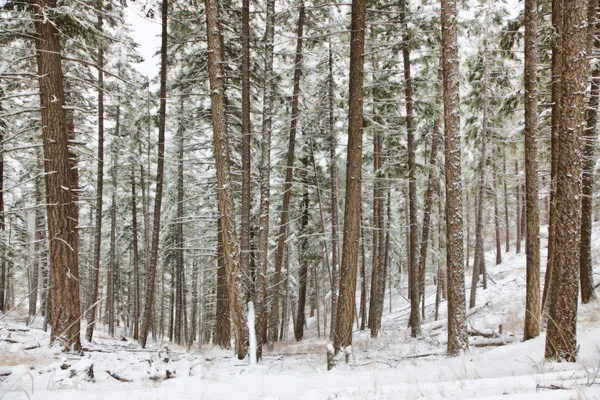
<point x="151" y="272"/>
<point x="496" y="210"/>
<point x="561" y="338"/>
<point x="457" y="321"/>
<point x="303" y="274"/>
<point x="589" y="159"/>
<point x="346" y="302"/>
<point x="223" y="326"/>
<point x="504" y="179"/>
<point x="532" y="243"/>
<point x="64" y="266"/>
<point x="231" y="248"/>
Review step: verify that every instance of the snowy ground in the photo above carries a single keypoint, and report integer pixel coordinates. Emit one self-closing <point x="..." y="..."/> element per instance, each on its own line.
<point x="393" y="366"/>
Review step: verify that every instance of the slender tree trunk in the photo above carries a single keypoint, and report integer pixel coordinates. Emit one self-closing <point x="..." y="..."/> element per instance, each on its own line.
<point x="496" y="210"/>
<point x="287" y="190"/>
<point x="111" y="287"/>
<point x="346" y="302"/>
<point x="429" y="195"/>
<point x="2" y="222"/>
<point x="95" y="270"/>
<point x="246" y="200"/>
<point x="300" y="321"/>
<point x="180" y="321"/>
<point x="479" y="262"/>
<point x="265" y="177"/>
<point x="136" y="257"/>
<point x="532" y="243"/>
<point x="334" y="196"/>
<point x="64" y="266"/>
<point x="194" y="318"/>
<point x="363" y="278"/>
<point x="375" y="266"/>
<point x="561" y="338"/>
<point x="231" y="248"/>
<point x="39" y="227"/>
<point x="413" y="260"/>
<point x="457" y="321"/>
<point x="222" y="329"/>
<point x="589" y="145"/>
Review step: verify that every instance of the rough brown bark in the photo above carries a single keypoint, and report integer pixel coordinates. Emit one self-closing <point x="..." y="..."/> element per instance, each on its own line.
<point x="457" y="321"/>
<point x="348" y="268"/>
<point x="589" y="159"/>
<point x="64" y="267"/>
<point x="136" y="257"/>
<point x="231" y="247"/>
<point x="532" y="242"/>
<point x="557" y="24"/>
<point x="151" y="271"/>
<point x="561" y="338"/>
<point x="223" y="326"/>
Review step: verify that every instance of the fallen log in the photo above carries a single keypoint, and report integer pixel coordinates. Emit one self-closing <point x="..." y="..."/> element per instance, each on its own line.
<point x="118" y="377"/>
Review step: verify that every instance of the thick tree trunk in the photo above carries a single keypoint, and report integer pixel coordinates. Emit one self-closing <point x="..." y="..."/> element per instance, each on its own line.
<point x="345" y="312"/>
<point x="64" y="266"/>
<point x="231" y="248"/>
<point x="532" y="242"/>
<point x="457" y="321"/>
<point x="561" y="338"/>
<point x="589" y="146"/>
<point x="151" y="272"/>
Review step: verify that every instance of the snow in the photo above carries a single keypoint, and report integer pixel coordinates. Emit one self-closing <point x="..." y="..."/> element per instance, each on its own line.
<point x="393" y="366"/>
<point x="252" y="333"/>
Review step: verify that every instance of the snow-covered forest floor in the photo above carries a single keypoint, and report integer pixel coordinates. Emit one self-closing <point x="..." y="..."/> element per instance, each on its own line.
<point x="393" y="366"/>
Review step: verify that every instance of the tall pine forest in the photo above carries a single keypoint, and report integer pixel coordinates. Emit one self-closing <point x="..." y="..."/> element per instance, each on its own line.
<point x="294" y="168"/>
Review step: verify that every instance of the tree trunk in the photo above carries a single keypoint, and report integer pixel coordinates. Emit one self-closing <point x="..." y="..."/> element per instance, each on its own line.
<point x="180" y="321"/>
<point x="346" y="302"/>
<point x="457" y="321"/>
<point x="151" y="272"/>
<point x="334" y="196"/>
<point x="222" y="329"/>
<point x="265" y="177"/>
<point x="300" y="321"/>
<point x="64" y="266"/>
<point x="561" y="338"/>
<point x="111" y="287"/>
<point x="136" y="257"/>
<point x="496" y="210"/>
<point x="231" y="247"/>
<point x="589" y="159"/>
<point x="289" y="173"/>
<point x="246" y="200"/>
<point x="532" y="242"/>
<point x="415" y="323"/>
<point x="95" y="270"/>
<point x="363" y="278"/>
<point x="429" y="195"/>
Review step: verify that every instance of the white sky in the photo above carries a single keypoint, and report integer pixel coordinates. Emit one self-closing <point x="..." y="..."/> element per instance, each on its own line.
<point x="146" y="33"/>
